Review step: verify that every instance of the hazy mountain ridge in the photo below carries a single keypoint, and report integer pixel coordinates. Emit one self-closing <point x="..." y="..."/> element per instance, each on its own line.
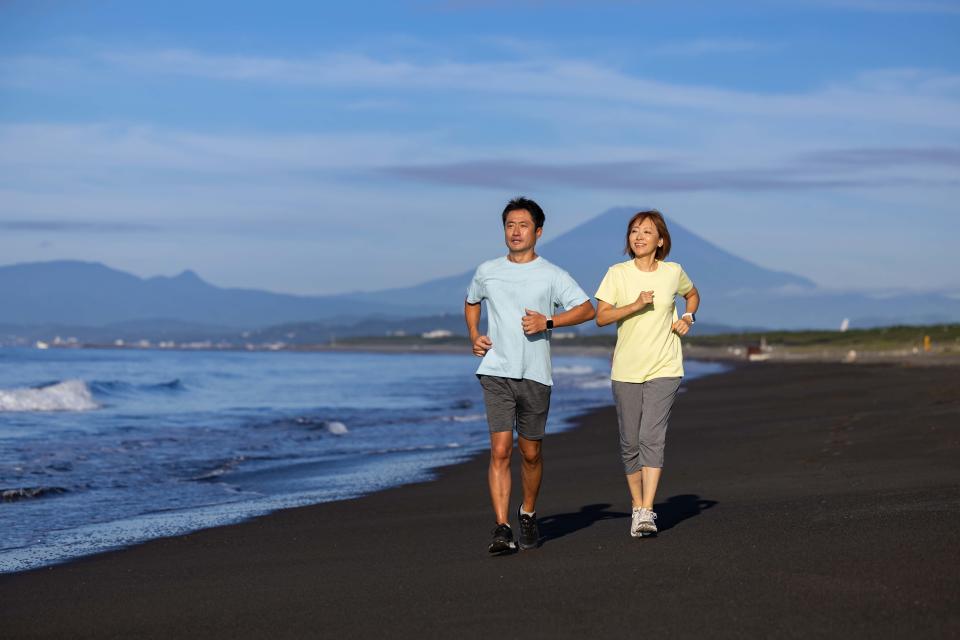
<point x="735" y="292"/>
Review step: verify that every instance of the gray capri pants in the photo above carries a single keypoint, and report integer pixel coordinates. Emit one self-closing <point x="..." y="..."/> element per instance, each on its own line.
<point x="643" y="410"/>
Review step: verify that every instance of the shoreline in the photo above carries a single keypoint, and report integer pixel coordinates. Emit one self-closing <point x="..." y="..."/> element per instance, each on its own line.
<point x="783" y="481"/>
<point x="725" y="354"/>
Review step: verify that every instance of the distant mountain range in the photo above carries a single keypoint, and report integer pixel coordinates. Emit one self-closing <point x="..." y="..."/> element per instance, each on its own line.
<point x="735" y="292"/>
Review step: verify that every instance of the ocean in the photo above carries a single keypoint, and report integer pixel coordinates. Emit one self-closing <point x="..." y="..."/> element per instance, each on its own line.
<point x="101" y="449"/>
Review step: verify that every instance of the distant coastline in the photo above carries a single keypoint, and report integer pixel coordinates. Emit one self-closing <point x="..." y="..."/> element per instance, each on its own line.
<point x="914" y="345"/>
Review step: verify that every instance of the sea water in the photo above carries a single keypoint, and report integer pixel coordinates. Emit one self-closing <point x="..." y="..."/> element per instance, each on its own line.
<point x="104" y="448"/>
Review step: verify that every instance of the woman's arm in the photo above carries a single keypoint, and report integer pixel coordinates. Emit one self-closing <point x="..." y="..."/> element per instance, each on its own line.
<point x="692" y="299"/>
<point x="608" y="314"/>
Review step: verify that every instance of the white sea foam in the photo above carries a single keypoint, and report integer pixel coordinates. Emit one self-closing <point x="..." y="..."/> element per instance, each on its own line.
<point x="69" y="395"/>
<point x="574" y="370"/>
<point x="470" y="417"/>
<point x="336" y="428"/>
<point x="594" y="384"/>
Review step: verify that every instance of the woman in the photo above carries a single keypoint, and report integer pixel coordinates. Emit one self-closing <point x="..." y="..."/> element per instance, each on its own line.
<point x="647" y="363"/>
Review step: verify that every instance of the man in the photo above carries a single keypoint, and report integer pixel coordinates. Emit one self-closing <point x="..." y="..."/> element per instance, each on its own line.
<point x="522" y="290"/>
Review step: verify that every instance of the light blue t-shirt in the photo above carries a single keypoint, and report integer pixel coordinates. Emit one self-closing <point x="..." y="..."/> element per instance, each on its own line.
<point x="509" y="289"/>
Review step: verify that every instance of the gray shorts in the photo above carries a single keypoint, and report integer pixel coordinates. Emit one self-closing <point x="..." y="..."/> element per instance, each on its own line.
<point x="643" y="410"/>
<point x="521" y="403"/>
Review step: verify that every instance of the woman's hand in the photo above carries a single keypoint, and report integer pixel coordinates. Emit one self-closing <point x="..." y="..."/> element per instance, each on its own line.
<point x="681" y="326"/>
<point x="645" y="298"/>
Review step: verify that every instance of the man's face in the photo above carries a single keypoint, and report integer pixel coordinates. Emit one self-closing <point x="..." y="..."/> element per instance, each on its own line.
<point x="519" y="232"/>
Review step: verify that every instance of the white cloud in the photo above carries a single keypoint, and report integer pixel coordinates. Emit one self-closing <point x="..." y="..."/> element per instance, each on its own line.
<point x="930" y="98"/>
<point x="893" y="6"/>
<point x="706" y="46"/>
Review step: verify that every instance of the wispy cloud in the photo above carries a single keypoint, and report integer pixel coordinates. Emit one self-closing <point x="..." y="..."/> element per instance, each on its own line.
<point x="707" y="46"/>
<point x="72" y="226"/>
<point x="667" y="177"/>
<point x="908" y="96"/>
<point x="883" y="157"/>
<point x="885" y="6"/>
<point x="893" y="6"/>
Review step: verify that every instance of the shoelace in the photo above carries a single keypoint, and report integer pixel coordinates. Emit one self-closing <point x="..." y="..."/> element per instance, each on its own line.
<point x="527" y="524"/>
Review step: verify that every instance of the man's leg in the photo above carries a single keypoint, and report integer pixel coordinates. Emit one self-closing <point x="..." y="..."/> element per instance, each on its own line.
<point x="501" y="446"/>
<point x="531" y="472"/>
<point x="533" y="406"/>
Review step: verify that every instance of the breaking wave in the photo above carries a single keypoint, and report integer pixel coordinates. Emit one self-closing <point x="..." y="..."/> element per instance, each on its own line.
<point x="25" y="493"/>
<point x="68" y="395"/>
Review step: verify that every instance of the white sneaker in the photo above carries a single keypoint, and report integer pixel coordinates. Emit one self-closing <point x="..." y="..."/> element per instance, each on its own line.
<point x="646" y="526"/>
<point x="635" y="521"/>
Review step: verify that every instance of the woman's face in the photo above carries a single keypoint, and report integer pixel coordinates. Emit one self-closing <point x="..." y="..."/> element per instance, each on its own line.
<point x="644" y="238"/>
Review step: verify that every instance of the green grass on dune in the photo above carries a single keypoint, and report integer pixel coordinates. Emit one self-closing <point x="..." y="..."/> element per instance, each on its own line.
<point x="943" y="337"/>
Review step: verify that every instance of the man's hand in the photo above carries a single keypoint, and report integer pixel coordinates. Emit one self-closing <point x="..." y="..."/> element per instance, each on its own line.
<point x="681" y="326"/>
<point x="645" y="298"/>
<point x="481" y="344"/>
<point x="534" y="322"/>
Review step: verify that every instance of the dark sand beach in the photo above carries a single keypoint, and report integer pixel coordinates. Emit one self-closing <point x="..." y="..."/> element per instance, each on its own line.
<point x="798" y="500"/>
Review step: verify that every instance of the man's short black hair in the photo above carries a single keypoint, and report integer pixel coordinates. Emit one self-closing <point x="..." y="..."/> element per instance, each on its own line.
<point x="525" y="203"/>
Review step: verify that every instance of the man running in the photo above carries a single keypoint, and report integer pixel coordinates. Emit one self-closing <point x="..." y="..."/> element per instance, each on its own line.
<point x="522" y="290"/>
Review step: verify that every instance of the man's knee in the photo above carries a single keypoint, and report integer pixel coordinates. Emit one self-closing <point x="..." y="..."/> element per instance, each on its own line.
<point x="500" y="453"/>
<point x="530" y="450"/>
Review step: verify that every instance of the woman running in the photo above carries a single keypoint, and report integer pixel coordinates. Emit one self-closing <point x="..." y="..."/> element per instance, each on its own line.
<point x="647" y="368"/>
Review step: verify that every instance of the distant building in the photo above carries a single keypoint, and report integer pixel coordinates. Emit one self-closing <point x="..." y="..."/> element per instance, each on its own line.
<point x="436" y="333"/>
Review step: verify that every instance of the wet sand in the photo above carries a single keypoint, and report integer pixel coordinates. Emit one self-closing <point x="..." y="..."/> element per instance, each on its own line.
<point x="798" y="500"/>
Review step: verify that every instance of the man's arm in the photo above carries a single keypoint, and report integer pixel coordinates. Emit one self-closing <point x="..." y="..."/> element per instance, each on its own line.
<point x="535" y="322"/>
<point x="480" y="344"/>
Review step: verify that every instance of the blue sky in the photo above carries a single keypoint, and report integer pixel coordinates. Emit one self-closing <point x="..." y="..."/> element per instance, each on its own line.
<point x="318" y="147"/>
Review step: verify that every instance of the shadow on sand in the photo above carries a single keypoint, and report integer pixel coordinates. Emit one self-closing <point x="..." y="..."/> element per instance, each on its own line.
<point x="678" y="508"/>
<point x="670" y="513"/>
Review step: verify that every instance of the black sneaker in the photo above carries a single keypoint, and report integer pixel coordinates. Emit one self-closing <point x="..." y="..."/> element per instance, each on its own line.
<point x="502" y="542"/>
<point x="529" y="531"/>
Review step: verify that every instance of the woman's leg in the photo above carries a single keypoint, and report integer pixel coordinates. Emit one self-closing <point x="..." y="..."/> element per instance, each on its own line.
<point x="628" y="397"/>
<point x="635" y="482"/>
<point x="649" y="479"/>
<point x="657" y="401"/>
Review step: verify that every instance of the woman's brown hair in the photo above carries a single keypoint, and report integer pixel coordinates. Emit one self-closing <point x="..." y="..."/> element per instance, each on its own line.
<point x="657" y="218"/>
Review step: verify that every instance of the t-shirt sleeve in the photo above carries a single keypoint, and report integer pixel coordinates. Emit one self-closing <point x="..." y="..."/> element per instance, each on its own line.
<point x="608" y="291"/>
<point x="685" y="284"/>
<point x="475" y="290"/>
<point x="567" y="293"/>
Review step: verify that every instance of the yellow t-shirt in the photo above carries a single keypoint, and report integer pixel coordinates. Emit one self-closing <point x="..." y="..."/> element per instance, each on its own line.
<point x="647" y="346"/>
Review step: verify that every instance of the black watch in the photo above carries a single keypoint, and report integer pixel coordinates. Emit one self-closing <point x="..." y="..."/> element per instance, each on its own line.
<point x="549" y="324"/>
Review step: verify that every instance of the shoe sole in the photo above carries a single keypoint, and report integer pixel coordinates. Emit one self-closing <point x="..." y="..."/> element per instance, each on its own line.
<point x="525" y="547"/>
<point x="502" y="548"/>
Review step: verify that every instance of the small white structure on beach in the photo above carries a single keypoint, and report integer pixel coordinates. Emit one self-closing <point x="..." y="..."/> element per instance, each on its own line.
<point x="436" y="333"/>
